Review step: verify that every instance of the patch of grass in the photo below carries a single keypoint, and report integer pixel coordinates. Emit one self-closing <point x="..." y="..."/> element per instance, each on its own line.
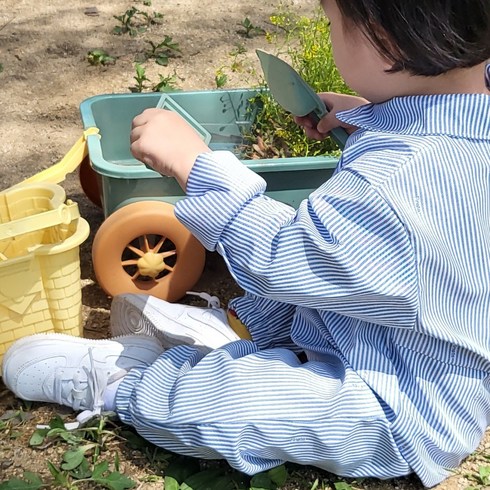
<point x="480" y="479"/>
<point x="85" y="460"/>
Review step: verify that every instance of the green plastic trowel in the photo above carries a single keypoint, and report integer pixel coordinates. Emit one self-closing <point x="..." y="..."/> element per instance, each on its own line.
<point x="293" y="94"/>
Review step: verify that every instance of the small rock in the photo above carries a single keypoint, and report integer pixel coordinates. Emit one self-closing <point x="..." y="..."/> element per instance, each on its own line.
<point x="91" y="11"/>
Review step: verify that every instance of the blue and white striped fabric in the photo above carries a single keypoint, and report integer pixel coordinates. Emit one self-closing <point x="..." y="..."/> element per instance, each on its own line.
<point x="382" y="277"/>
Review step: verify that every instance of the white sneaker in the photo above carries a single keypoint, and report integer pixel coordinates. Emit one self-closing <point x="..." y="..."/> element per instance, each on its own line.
<point x="173" y="324"/>
<point x="73" y="371"/>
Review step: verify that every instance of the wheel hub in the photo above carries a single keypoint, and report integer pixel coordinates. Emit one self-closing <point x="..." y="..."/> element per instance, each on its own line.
<point x="151" y="264"/>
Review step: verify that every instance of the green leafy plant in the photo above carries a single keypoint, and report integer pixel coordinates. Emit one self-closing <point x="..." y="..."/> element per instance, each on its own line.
<point x="135" y="21"/>
<point x="161" y="52"/>
<point x="97" y="57"/>
<point x="238" y="50"/>
<point x="307" y="47"/>
<point x="237" y="63"/>
<point x="167" y="83"/>
<point x="482" y="477"/>
<point x="128" y="23"/>
<point x="250" y="30"/>
<point x="140" y="78"/>
<point x="29" y="481"/>
<point x="220" y="78"/>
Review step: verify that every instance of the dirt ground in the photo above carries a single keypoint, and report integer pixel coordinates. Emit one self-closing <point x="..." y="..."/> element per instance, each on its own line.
<point x="45" y="75"/>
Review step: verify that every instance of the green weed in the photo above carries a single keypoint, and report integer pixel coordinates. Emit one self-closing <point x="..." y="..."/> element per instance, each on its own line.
<point x="140" y="78"/>
<point x="168" y="83"/>
<point x="220" y="78"/>
<point x="250" y="30"/>
<point x="161" y="52"/>
<point x="97" y="57"/>
<point x="481" y="477"/>
<point x="135" y="21"/>
<point x="80" y="463"/>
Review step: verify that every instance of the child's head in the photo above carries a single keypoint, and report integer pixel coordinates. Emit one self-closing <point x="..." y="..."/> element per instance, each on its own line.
<point x="385" y="48"/>
<point x="423" y="37"/>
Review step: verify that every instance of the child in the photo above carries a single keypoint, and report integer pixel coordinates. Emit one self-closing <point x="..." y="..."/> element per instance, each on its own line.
<point x="368" y="308"/>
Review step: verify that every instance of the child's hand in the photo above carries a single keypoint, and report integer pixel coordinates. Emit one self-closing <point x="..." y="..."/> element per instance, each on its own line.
<point x="164" y="141"/>
<point x="335" y="103"/>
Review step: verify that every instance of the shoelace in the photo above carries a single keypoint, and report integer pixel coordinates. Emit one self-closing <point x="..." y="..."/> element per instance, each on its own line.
<point x="213" y="301"/>
<point x="89" y="390"/>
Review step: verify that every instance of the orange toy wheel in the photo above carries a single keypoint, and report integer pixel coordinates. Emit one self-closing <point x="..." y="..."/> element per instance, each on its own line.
<point x="143" y="248"/>
<point x="89" y="182"/>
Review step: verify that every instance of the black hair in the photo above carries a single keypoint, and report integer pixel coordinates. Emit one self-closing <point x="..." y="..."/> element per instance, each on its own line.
<point x="424" y="37"/>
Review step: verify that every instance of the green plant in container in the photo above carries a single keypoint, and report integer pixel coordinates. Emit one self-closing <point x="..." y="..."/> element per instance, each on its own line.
<point x="307" y="48"/>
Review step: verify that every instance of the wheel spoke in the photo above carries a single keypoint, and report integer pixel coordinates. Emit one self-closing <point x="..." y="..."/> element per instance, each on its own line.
<point x="168" y="268"/>
<point x="159" y="245"/>
<point x="169" y="253"/>
<point x="129" y="262"/>
<point x="146" y="247"/>
<point x="135" y="250"/>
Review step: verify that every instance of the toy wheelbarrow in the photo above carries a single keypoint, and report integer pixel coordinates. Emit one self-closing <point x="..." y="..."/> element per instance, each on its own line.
<point x="141" y="247"/>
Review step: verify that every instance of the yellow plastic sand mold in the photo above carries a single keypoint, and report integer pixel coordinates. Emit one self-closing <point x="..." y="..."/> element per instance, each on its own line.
<point x="40" y="288"/>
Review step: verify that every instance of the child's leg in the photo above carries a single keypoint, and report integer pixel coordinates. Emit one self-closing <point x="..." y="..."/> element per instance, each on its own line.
<point x="268" y="321"/>
<point x="257" y="409"/>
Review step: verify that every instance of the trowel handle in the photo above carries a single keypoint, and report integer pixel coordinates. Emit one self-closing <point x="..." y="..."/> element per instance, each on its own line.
<point x="339" y="135"/>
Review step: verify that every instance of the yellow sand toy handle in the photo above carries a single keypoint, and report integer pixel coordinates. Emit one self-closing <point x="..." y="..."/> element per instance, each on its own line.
<point x="63" y="214"/>
<point x="67" y="164"/>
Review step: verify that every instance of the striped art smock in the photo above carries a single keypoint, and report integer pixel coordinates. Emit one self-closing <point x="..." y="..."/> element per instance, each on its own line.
<point x="382" y="276"/>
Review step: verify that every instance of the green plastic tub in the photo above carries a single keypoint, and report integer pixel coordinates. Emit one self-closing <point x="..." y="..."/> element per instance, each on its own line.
<point x="225" y="114"/>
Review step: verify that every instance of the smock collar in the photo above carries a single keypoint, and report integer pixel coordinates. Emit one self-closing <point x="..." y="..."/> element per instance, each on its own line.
<point x="459" y="115"/>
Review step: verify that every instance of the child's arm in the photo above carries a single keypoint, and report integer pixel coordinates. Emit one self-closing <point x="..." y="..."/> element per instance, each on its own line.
<point x="336" y="103"/>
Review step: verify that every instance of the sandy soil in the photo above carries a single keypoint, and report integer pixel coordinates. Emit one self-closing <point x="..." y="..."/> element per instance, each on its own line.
<point x="44" y="76"/>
